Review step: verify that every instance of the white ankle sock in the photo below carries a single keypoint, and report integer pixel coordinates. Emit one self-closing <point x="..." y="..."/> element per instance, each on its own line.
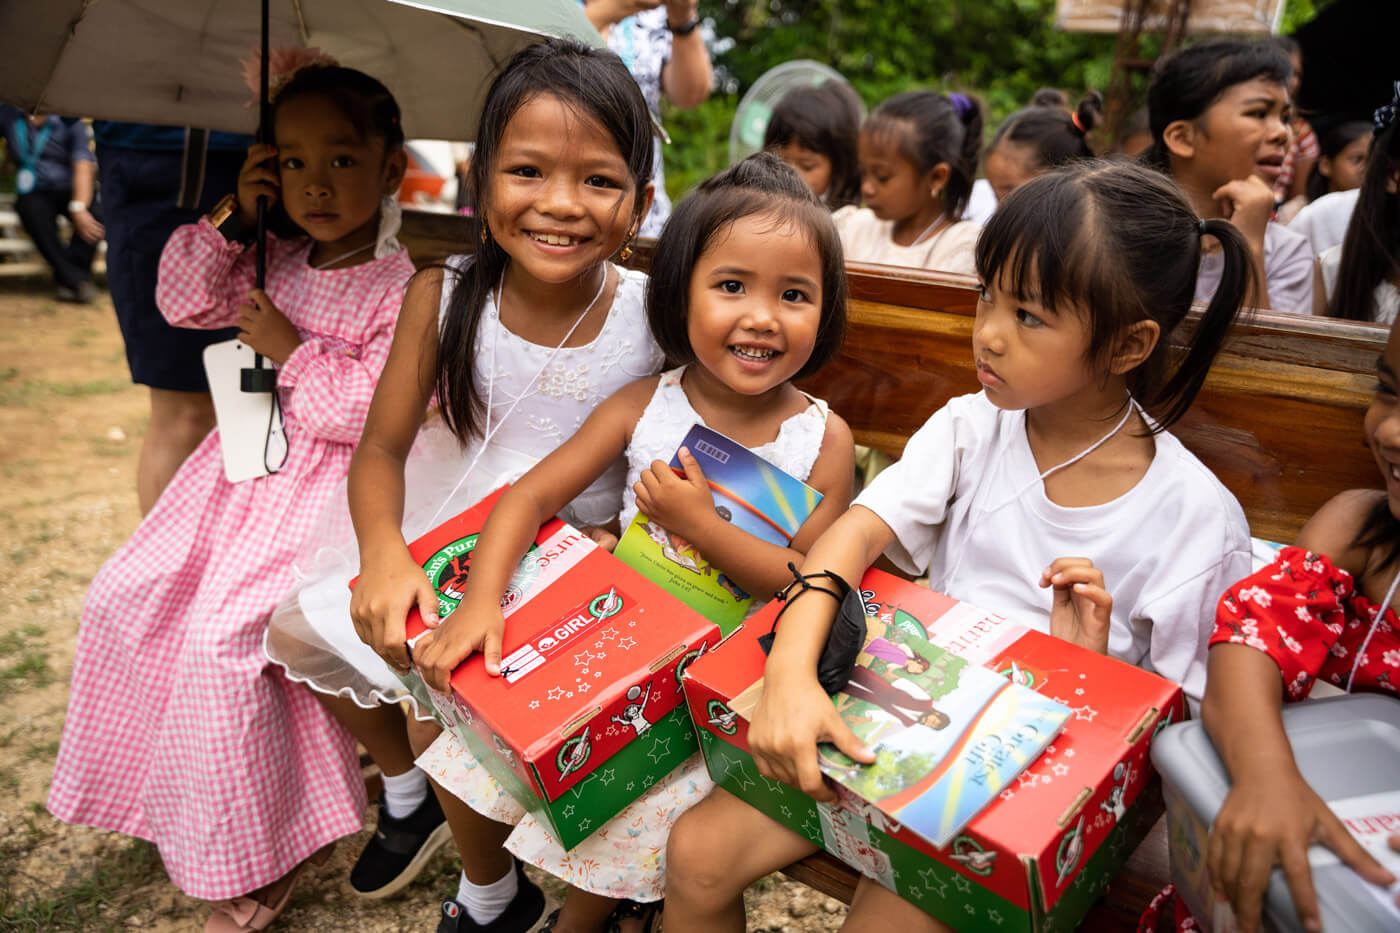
<point x="404" y="792"/>
<point x="486" y="902"/>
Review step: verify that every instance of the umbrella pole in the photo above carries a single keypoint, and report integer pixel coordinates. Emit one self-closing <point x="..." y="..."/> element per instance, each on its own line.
<point x="260" y="378"/>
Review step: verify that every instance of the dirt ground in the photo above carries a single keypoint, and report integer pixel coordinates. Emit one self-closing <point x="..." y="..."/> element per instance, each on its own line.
<point x="70" y="430"/>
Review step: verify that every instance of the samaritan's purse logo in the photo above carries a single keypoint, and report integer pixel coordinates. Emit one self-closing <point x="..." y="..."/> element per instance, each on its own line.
<point x="450" y="565"/>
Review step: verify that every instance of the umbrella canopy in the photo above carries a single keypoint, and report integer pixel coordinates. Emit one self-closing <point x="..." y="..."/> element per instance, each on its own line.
<point x="178" y="62"/>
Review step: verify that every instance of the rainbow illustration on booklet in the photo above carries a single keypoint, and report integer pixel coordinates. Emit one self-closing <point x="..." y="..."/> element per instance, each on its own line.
<point x="750" y="493"/>
<point x="948" y="736"/>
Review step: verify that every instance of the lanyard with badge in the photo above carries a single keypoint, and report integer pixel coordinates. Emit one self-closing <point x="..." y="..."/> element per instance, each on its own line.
<point x="26" y="178"/>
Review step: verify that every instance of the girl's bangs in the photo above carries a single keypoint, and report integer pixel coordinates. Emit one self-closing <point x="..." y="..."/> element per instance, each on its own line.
<point x="1031" y="246"/>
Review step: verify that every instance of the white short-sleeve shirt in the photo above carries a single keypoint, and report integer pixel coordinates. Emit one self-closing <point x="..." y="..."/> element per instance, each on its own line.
<point x="966" y="504"/>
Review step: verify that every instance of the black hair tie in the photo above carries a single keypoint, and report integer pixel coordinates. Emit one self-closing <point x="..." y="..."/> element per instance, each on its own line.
<point x="1201" y="228"/>
<point x="847" y="636"/>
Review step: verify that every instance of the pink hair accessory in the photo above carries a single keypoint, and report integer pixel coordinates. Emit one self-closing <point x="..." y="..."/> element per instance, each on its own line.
<point x="282" y="64"/>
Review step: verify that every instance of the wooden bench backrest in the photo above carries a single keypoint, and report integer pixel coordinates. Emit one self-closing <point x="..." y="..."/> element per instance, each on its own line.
<point x="1279" y="419"/>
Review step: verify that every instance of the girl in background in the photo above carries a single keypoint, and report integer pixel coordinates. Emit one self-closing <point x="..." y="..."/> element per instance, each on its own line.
<point x="747" y="293"/>
<point x="1036" y="139"/>
<point x="518" y="344"/>
<point x="1361" y="278"/>
<point x="1219" y="113"/>
<point x="814" y="130"/>
<point x="918" y="158"/>
<point x="178" y="730"/>
<point x="1037" y="495"/>
<point x="1339" y="166"/>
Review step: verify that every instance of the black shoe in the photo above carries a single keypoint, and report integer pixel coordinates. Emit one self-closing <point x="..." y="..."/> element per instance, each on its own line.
<point x="520" y="915"/>
<point x="399" y="849"/>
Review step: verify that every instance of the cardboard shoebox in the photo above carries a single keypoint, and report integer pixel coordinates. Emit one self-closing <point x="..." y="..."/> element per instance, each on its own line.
<point x="588" y="712"/>
<point x="1044" y="850"/>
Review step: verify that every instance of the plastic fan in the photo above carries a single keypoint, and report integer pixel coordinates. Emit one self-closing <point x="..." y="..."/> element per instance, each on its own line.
<point x="756" y="107"/>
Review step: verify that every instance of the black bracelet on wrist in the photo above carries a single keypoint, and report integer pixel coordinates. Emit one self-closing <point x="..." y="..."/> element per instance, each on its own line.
<point x="684" y="29"/>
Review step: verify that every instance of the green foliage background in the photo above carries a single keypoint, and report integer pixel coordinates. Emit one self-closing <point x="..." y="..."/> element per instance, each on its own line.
<point x="999" y="50"/>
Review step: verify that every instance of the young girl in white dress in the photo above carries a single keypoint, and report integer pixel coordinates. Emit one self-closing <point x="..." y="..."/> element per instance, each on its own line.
<point x="1054" y="496"/>
<point x="748" y="291"/>
<point x="918" y="159"/>
<point x="513" y="348"/>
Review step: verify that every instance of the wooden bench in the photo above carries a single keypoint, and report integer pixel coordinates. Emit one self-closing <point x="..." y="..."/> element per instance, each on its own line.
<point x="1279" y="421"/>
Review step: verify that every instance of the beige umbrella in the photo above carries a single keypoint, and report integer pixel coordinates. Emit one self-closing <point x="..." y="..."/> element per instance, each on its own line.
<point x="178" y="62"/>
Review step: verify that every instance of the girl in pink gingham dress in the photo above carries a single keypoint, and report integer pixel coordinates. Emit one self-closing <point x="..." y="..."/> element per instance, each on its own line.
<point x="179" y="730"/>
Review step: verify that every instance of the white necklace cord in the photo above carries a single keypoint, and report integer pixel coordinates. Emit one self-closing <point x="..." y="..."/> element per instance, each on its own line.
<point x="1375" y="624"/>
<point x="929" y="229"/>
<point x="490" y="430"/>
<point x="356" y="251"/>
<point x="1132" y="406"/>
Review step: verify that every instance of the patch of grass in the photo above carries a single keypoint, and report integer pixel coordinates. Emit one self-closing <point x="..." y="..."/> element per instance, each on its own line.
<point x="19" y="555"/>
<point x="44" y="751"/>
<point x="98" y="894"/>
<point x="8" y="737"/>
<point x="19" y="395"/>
<point x="33" y="668"/>
<point x="82" y="336"/>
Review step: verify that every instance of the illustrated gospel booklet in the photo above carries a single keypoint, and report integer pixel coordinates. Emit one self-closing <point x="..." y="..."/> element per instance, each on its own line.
<point x="749" y="492"/>
<point x="948" y="735"/>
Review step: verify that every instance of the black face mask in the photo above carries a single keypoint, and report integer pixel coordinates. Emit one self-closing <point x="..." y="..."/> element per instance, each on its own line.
<point x="847" y="636"/>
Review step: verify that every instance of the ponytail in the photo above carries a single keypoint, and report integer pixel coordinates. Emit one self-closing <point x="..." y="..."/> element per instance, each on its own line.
<point x="1237" y="278"/>
<point x="960" y="180"/>
<point x="945" y="130"/>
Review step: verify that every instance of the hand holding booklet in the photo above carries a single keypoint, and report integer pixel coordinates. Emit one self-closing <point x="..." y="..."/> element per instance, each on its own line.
<point x="750" y="493"/>
<point x="948" y="735"/>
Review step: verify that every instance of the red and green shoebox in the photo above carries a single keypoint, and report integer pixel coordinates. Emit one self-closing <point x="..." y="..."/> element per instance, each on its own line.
<point x="1037" y="857"/>
<point x="588" y="712"/>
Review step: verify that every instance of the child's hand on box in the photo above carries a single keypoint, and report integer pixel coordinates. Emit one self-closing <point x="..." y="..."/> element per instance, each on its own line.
<point x="672" y="501"/>
<point x="1270" y="818"/>
<point x="1082" y="608"/>
<point x="471" y="627"/>
<point x="380" y="604"/>
<point x="791" y="718"/>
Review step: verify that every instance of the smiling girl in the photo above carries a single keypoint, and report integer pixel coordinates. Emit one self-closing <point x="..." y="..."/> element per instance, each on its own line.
<point x="918" y="157"/>
<point x="747" y="293"/>
<point x="1219" y="115"/>
<point x="178" y="729"/>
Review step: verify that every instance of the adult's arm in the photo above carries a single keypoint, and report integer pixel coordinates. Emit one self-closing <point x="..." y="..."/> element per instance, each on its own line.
<point x="687" y="77"/>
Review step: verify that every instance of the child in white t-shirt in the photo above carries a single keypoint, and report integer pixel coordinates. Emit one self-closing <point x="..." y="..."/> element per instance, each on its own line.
<point x="1055" y="495"/>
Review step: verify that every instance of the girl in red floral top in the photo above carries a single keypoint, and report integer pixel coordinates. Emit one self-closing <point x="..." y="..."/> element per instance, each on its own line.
<point x="1322" y="609"/>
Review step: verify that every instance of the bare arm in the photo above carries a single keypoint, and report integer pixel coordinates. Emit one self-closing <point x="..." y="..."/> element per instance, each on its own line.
<point x="391" y="582"/>
<point x="477" y="624"/>
<point x="687" y="76"/>
<point x="88" y="227"/>
<point x="1271" y="815"/>
<point x="794" y="713"/>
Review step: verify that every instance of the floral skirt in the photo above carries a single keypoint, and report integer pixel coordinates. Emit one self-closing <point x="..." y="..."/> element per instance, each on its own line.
<point x="624" y="858"/>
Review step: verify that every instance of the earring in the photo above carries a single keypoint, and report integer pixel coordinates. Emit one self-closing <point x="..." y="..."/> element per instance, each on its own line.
<point x="626" y="251"/>
<point x="485" y="233"/>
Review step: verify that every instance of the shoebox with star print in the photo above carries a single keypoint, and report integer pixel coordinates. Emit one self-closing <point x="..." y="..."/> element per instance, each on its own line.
<point x="588" y="711"/>
<point x="1039" y="855"/>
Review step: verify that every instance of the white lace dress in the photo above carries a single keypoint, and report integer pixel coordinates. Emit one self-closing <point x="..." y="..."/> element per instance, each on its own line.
<point x="625" y="857"/>
<point x="539" y="397"/>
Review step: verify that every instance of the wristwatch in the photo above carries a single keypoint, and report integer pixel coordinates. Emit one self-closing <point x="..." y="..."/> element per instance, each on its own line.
<point x="225" y="219"/>
<point x="77" y="207"/>
<point x="684" y="29"/>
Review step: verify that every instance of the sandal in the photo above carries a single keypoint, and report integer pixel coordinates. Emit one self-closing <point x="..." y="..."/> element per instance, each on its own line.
<point x="241" y="914"/>
<point x="626" y="909"/>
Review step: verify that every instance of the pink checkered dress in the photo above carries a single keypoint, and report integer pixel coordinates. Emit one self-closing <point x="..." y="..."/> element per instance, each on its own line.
<point x="179" y="730"/>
